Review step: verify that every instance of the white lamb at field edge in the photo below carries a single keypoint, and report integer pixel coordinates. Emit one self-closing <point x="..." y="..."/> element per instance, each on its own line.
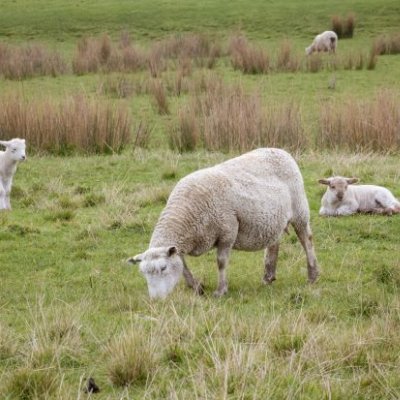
<point x="245" y="203"/>
<point x="15" y="152"/>
<point x="344" y="198"/>
<point x="325" y="41"/>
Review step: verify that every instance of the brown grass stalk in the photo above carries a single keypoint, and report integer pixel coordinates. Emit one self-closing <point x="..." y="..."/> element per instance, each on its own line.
<point x="362" y="125"/>
<point x="77" y="123"/>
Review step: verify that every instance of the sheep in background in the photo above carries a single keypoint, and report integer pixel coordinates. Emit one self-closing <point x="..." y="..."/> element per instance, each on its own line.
<point x="325" y="41"/>
<point x="15" y="152"/>
<point x="342" y="198"/>
<point x="245" y="203"/>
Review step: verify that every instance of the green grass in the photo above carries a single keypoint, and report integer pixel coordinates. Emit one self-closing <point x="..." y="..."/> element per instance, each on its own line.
<point x="71" y="308"/>
<point x="65" y="283"/>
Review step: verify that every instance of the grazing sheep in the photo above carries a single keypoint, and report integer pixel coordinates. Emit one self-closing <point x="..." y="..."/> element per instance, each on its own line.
<point x="15" y="151"/>
<point x="325" y="41"/>
<point x="245" y="203"/>
<point x="342" y="198"/>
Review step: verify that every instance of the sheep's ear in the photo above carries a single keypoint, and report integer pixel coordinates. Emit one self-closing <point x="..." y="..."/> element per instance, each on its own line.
<point x="324" y="181"/>
<point x="350" y="181"/>
<point x="172" y="250"/>
<point x="4" y="143"/>
<point x="135" y="260"/>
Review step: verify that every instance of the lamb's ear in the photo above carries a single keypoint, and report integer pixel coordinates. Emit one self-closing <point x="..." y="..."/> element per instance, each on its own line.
<point x="172" y="250"/>
<point x="350" y="181"/>
<point x="324" y="181"/>
<point x="135" y="259"/>
<point x="4" y="143"/>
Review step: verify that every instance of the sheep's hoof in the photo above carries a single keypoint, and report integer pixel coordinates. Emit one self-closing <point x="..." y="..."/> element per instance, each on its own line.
<point x="220" y="292"/>
<point x="268" y="280"/>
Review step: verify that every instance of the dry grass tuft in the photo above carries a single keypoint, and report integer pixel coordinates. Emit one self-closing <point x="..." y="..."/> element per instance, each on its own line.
<point x="226" y="118"/>
<point x="119" y="86"/>
<point x="76" y="123"/>
<point x="387" y="44"/>
<point x="248" y="58"/>
<point x="130" y="358"/>
<point x="286" y="59"/>
<point x="160" y="96"/>
<point x="362" y="125"/>
<point x="22" y="62"/>
<point x="344" y="28"/>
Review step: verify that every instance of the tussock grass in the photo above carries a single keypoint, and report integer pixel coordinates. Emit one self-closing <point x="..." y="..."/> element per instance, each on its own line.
<point x="27" y="61"/>
<point x="362" y="125"/>
<point x="77" y="123"/>
<point x="387" y="44"/>
<point x="228" y="119"/>
<point x="344" y="27"/>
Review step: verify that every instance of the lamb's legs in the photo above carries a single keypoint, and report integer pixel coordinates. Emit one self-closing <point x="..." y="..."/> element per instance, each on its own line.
<point x="191" y="281"/>
<point x="270" y="258"/>
<point x="305" y="236"/>
<point x="222" y="260"/>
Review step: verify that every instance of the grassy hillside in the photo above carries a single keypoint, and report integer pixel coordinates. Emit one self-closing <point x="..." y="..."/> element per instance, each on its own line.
<point x="71" y="308"/>
<point x="63" y="21"/>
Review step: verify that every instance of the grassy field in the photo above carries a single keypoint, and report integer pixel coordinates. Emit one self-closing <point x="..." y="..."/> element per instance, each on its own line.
<point x="71" y="308"/>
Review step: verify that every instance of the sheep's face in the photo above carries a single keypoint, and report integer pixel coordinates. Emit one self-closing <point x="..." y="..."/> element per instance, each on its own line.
<point x="162" y="268"/>
<point x="337" y="186"/>
<point x="309" y="50"/>
<point x="15" y="149"/>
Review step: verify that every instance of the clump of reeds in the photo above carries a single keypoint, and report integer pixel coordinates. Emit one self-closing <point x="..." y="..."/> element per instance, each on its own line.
<point x="344" y="27"/>
<point x="27" y="61"/>
<point x="387" y="44"/>
<point x="226" y="118"/>
<point x="286" y="59"/>
<point x="314" y="63"/>
<point x="77" y="123"/>
<point x="158" y="91"/>
<point x="361" y="125"/>
<point x="248" y="58"/>
<point x="95" y="54"/>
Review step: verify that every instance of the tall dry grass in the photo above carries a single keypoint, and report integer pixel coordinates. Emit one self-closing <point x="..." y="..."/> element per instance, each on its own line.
<point x="77" y="123"/>
<point x="387" y="44"/>
<point x="287" y="60"/>
<point x="226" y="118"/>
<point x="248" y="58"/>
<point x="27" y="61"/>
<point x="344" y="27"/>
<point x="356" y="125"/>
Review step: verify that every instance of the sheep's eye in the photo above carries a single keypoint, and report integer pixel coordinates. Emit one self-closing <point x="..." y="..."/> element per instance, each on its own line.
<point x="13" y="150"/>
<point x="332" y="187"/>
<point x="163" y="268"/>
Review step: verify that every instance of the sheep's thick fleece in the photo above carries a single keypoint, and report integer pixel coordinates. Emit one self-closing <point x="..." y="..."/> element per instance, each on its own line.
<point x="247" y="201"/>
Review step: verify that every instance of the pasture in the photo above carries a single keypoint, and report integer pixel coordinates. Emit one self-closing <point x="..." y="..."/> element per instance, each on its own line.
<point x="108" y="141"/>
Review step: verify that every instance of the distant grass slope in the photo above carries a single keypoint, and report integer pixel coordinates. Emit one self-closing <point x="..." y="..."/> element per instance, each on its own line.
<point x="63" y="20"/>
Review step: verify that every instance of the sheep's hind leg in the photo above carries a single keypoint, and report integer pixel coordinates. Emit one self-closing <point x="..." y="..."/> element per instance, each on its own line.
<point x="271" y="256"/>
<point x="222" y="260"/>
<point x="191" y="281"/>
<point x="305" y="236"/>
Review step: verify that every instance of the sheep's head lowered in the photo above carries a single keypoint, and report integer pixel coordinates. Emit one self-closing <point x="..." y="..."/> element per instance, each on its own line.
<point x="15" y="148"/>
<point x="162" y="268"/>
<point x="337" y="186"/>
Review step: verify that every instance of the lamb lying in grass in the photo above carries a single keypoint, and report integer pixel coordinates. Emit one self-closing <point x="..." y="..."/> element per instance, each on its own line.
<point x="325" y="41"/>
<point x="15" y="152"/>
<point x="245" y="203"/>
<point x="342" y="198"/>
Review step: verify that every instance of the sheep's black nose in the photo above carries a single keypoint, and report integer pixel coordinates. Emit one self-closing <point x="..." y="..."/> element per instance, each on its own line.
<point x="23" y="157"/>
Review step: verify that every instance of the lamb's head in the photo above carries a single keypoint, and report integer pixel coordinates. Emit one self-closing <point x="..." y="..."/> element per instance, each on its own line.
<point x="337" y="186"/>
<point x="15" y="149"/>
<point x="162" y="268"/>
<point x="309" y="50"/>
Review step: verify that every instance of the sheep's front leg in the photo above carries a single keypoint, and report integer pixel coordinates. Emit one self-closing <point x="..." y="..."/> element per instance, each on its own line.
<point x="191" y="281"/>
<point x="222" y="260"/>
<point x="270" y="259"/>
<point x="7" y="189"/>
<point x="2" y="197"/>
<point x="305" y="236"/>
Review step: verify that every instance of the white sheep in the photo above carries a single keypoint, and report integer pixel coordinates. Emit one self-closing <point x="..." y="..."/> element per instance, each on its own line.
<point x="15" y="152"/>
<point x="342" y="198"/>
<point x="245" y="203"/>
<point x="325" y="41"/>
